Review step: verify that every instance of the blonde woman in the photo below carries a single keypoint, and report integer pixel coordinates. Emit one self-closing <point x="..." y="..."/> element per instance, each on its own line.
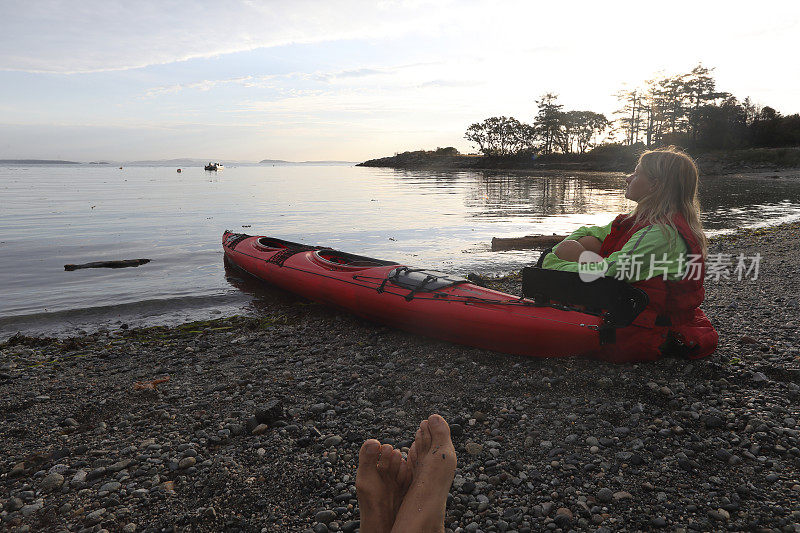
<point x="660" y="248"/>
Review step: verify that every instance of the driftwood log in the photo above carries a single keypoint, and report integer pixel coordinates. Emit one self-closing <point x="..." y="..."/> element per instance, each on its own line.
<point x="109" y="264"/>
<point x="523" y="243"/>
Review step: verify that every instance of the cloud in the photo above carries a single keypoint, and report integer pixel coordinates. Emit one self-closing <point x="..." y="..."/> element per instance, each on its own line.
<point x="52" y="36"/>
<point x="451" y="83"/>
<point x="276" y="81"/>
<point x="205" y="85"/>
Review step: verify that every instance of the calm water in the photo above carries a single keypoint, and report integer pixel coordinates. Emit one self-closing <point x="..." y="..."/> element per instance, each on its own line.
<point x="50" y="216"/>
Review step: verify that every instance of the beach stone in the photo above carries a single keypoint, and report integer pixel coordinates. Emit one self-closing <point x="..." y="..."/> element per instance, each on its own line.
<point x="720" y="515"/>
<point x="658" y="522"/>
<point x="473" y="448"/>
<point x="111" y="486"/>
<point x="119" y="465"/>
<point x="96" y="473"/>
<point x="333" y="440"/>
<point x="270" y="412"/>
<point x="13" y="504"/>
<point x="325" y="516"/>
<point x="563" y="517"/>
<point x="95" y="516"/>
<point x="563" y="511"/>
<point x="468" y="487"/>
<point x="29" y="509"/>
<point x="58" y="469"/>
<point x="51" y="482"/>
<point x="79" y="477"/>
<point x="605" y="495"/>
<point x="17" y="470"/>
<point x="622" y="495"/>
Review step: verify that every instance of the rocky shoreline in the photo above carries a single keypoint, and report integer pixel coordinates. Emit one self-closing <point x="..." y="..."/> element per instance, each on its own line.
<point x="770" y="162"/>
<point x="254" y="424"/>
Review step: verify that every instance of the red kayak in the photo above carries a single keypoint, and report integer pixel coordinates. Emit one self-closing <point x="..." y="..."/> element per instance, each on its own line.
<point x="419" y="301"/>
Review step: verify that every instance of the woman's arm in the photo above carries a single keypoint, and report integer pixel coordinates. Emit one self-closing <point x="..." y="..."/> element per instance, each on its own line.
<point x="591" y="243"/>
<point x="598" y="232"/>
<point x="582" y="239"/>
<point x="568" y="250"/>
<point x="645" y="255"/>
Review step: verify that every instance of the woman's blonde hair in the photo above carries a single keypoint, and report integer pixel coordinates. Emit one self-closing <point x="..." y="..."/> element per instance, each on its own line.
<point x="675" y="176"/>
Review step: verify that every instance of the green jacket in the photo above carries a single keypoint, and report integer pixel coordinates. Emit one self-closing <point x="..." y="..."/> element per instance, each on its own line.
<point x="654" y="251"/>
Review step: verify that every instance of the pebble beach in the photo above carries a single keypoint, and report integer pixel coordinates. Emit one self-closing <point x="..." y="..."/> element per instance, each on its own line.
<point x="254" y="423"/>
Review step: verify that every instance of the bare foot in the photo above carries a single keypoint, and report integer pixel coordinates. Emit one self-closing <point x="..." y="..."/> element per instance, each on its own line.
<point x="382" y="480"/>
<point x="432" y="459"/>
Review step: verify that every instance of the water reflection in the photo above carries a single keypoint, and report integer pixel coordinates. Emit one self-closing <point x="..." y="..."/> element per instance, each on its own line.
<point x="728" y="202"/>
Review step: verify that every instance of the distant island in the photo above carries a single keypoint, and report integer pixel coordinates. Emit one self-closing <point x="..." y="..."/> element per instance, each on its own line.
<point x="36" y="162"/>
<point x="605" y="158"/>
<point x="177" y="162"/>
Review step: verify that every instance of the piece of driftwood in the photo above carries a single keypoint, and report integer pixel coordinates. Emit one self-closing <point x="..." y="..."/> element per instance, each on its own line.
<point x="109" y="264"/>
<point x="523" y="243"/>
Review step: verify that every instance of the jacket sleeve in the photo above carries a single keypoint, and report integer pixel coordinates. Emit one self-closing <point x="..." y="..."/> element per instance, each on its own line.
<point x="646" y="254"/>
<point x="601" y="232"/>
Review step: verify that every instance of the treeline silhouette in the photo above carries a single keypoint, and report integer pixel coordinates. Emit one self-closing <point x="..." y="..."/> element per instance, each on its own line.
<point x="685" y="110"/>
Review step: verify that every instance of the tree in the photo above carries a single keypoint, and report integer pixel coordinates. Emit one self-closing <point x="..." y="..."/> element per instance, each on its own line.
<point x="670" y="93"/>
<point x="699" y="89"/>
<point x="548" y="121"/>
<point x="720" y="126"/>
<point x="653" y="110"/>
<point x="630" y="114"/>
<point x="751" y="111"/>
<point x="500" y="136"/>
<point x="587" y="125"/>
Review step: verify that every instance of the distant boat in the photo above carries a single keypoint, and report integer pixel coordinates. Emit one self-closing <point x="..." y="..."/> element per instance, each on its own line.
<point x="214" y="166"/>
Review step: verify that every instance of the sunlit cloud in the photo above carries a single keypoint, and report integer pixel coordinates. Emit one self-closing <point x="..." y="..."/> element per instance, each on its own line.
<point x="356" y="78"/>
<point x="51" y="36"/>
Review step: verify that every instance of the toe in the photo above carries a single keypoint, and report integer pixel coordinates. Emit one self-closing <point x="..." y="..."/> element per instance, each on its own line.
<point x="412" y="456"/>
<point x="404" y="476"/>
<point x="368" y="455"/>
<point x="395" y="460"/>
<point x="424" y="440"/>
<point x="439" y="430"/>
<point x="385" y="459"/>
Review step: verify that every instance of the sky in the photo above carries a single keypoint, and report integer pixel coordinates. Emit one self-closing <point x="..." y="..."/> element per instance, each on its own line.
<point x="339" y="80"/>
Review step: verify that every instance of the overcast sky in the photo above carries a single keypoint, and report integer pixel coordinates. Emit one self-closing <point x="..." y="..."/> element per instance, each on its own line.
<point x="248" y="80"/>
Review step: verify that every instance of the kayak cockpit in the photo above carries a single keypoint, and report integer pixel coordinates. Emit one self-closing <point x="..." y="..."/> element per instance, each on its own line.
<point x="421" y="280"/>
<point x="269" y="243"/>
<point x="336" y="260"/>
